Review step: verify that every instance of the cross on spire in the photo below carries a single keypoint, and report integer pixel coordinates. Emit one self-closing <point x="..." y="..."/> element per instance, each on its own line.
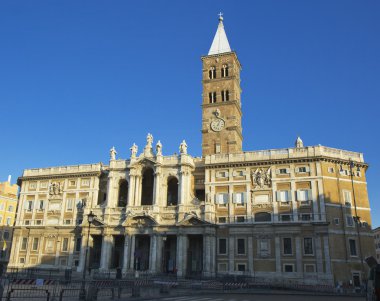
<point x="220" y="16"/>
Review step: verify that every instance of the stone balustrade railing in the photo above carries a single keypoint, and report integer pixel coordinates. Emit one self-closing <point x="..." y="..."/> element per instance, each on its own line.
<point x="286" y="153"/>
<point x="62" y="170"/>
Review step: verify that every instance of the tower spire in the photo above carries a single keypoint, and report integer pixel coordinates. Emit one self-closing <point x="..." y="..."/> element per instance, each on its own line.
<point x="220" y="43"/>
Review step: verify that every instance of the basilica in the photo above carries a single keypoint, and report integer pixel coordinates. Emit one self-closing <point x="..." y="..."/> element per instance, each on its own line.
<point x="299" y="213"/>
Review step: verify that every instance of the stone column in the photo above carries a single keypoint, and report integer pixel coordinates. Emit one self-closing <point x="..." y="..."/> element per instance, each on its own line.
<point x="277" y="249"/>
<point x="156" y="188"/>
<point x="315" y="201"/>
<point x="126" y="254"/>
<point x="321" y="200"/>
<point x="182" y="184"/>
<point x="159" y="252"/>
<point x="71" y="251"/>
<point x="207" y="255"/>
<point x="106" y="252"/>
<point x="131" y="189"/>
<point x="318" y="254"/>
<point x="298" y="255"/>
<point x="275" y="202"/>
<point x="294" y="201"/>
<point x="250" y="255"/>
<point x="213" y="255"/>
<point x="231" y="254"/>
<point x="133" y="244"/>
<point x="153" y="254"/>
<point x="326" y="249"/>
<point x="138" y="190"/>
<point x="57" y="249"/>
<point x="181" y="259"/>
<point x="82" y="253"/>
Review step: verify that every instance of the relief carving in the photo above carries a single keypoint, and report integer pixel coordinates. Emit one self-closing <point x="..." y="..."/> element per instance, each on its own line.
<point x="261" y="178"/>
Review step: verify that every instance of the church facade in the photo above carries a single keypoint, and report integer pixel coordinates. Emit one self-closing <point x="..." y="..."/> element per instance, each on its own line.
<point x="299" y="213"/>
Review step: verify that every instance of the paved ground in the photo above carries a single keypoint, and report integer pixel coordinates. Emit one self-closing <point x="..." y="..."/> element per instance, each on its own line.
<point x="247" y="297"/>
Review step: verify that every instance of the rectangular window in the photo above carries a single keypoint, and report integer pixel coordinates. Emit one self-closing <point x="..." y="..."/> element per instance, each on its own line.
<point x="288" y="268"/>
<point x="1" y="206"/>
<point x="240" y="219"/>
<point x="72" y="183"/>
<point x="32" y="185"/>
<point x="9" y="220"/>
<point x="352" y="243"/>
<point x="65" y="244"/>
<point x="286" y="217"/>
<point x="6" y="235"/>
<point x="304" y="195"/>
<point x="29" y="205"/>
<point x="38" y="222"/>
<point x="67" y="221"/>
<point x="331" y="169"/>
<point x="264" y="247"/>
<point x="49" y="247"/>
<point x="349" y="221"/>
<point x="336" y="221"/>
<point x="347" y="197"/>
<point x="302" y="169"/>
<point x="22" y="260"/>
<point x="283" y="171"/>
<point x="308" y="246"/>
<point x="306" y="217"/>
<point x="43" y="184"/>
<point x="78" y="243"/>
<point x="70" y="204"/>
<point x="24" y="243"/>
<point x="85" y="182"/>
<point x="222" y="220"/>
<point x="287" y="246"/>
<point x="10" y="208"/>
<point x="222" y="267"/>
<point x="240" y="267"/>
<point x="222" y="246"/>
<point x="309" y="268"/>
<point x="222" y="198"/>
<point x="35" y="244"/>
<point x="41" y="205"/>
<point x="239" y="198"/>
<point x="283" y="195"/>
<point x="1" y="219"/>
<point x="240" y="246"/>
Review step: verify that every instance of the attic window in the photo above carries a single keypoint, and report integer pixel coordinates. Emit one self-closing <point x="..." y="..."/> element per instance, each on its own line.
<point x="212" y="97"/>
<point x="225" y="95"/>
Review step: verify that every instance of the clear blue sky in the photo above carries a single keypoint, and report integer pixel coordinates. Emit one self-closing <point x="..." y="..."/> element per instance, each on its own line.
<point x="77" y="77"/>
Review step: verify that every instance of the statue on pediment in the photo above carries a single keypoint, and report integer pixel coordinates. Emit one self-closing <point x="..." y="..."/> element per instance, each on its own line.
<point x="113" y="153"/>
<point x="134" y="150"/>
<point x="183" y="148"/>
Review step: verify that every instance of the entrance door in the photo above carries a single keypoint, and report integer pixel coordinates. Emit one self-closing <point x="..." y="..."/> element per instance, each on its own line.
<point x="142" y="251"/>
<point x="118" y="252"/>
<point x="169" y="254"/>
<point x="195" y="255"/>
<point x="95" y="252"/>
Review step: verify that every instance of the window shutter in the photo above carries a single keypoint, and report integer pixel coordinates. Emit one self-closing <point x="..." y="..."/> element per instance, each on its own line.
<point x="243" y="197"/>
<point x="43" y="204"/>
<point x="297" y="169"/>
<point x="225" y="198"/>
<point x="26" y="205"/>
<point x="226" y="174"/>
<point x="299" y="197"/>
<point x="289" y="195"/>
<point x="277" y="171"/>
<point x="310" y="195"/>
<point x="216" y="199"/>
<point x="288" y="170"/>
<point x="234" y="173"/>
<point x="307" y="169"/>
<point x="31" y="207"/>
<point x="234" y="198"/>
<point x="278" y="196"/>
<point x="217" y="174"/>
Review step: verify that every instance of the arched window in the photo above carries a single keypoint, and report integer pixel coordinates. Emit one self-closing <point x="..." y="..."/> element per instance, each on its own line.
<point x="225" y="95"/>
<point x="224" y="71"/>
<point x="147" y="187"/>
<point x="212" y="97"/>
<point x="263" y="217"/>
<point x="212" y="73"/>
<point x="172" y="195"/>
<point x="123" y="194"/>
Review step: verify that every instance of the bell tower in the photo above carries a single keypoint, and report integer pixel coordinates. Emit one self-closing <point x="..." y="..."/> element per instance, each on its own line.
<point x="221" y="105"/>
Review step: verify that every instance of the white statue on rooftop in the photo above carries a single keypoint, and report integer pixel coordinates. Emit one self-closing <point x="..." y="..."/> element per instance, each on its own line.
<point x="183" y="148"/>
<point x="113" y="153"/>
<point x="299" y="142"/>
<point x="134" y="150"/>
<point x="159" y="148"/>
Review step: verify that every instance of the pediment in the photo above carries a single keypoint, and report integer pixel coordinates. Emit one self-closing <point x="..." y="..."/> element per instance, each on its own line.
<point x="192" y="220"/>
<point x="139" y="221"/>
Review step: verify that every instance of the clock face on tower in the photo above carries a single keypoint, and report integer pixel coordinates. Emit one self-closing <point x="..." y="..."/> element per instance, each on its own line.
<point x="217" y="124"/>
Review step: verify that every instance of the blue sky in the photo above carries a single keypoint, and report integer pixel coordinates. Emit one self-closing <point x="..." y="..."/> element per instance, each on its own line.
<point x="77" y="77"/>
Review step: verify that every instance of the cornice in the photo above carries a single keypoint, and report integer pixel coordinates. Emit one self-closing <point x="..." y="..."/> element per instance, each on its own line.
<point x="281" y="161"/>
<point x="58" y="176"/>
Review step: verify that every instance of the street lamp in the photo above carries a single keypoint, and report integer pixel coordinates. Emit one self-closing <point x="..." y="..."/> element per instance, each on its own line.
<point x="356" y="218"/>
<point x="90" y="218"/>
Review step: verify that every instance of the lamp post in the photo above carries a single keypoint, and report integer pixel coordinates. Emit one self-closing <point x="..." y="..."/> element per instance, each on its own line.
<point x="356" y="217"/>
<point x="90" y="218"/>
